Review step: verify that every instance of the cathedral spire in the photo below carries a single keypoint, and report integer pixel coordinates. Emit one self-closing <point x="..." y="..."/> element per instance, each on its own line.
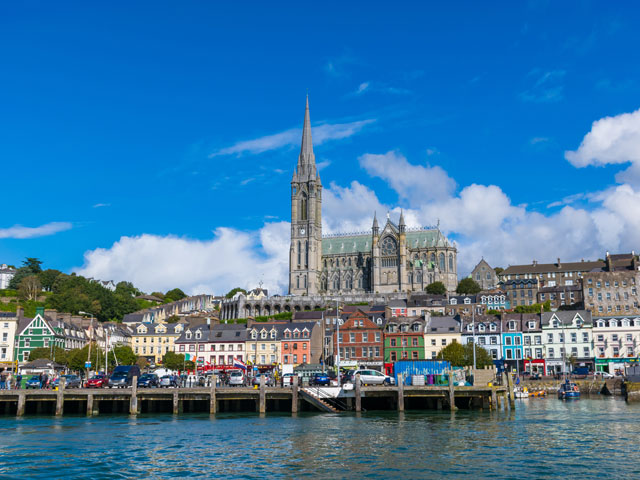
<point x="307" y="160"/>
<point x="401" y="225"/>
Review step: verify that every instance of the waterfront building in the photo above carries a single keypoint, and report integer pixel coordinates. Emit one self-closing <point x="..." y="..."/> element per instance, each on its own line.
<point x="6" y="275"/>
<point x="521" y="282"/>
<point x="439" y="333"/>
<point x="213" y="345"/>
<point x="404" y="339"/>
<point x="568" y="340"/>
<point x="288" y="343"/>
<point x="387" y="260"/>
<point x="484" y="275"/>
<point x="532" y="340"/>
<point x="43" y="331"/>
<point x="488" y="333"/>
<point x="512" y="354"/>
<point x="361" y="340"/>
<point x="612" y="294"/>
<point x="495" y="299"/>
<point x="153" y="340"/>
<point x="616" y="342"/>
<point x="8" y="327"/>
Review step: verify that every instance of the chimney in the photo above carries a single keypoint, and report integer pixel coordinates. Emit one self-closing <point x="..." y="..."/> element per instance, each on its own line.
<point x="559" y="264"/>
<point x="20" y="312"/>
<point x="535" y="262"/>
<point x="51" y="313"/>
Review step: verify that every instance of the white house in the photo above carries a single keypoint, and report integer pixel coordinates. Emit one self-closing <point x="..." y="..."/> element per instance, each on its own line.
<point x="566" y="335"/>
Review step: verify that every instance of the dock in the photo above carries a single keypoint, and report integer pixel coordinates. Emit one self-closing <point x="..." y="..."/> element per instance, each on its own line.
<point x="262" y="399"/>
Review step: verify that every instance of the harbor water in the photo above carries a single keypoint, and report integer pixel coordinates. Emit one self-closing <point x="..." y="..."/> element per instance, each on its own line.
<point x="543" y="438"/>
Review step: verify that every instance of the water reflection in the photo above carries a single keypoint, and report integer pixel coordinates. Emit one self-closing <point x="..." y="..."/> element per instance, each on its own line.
<point x="585" y="439"/>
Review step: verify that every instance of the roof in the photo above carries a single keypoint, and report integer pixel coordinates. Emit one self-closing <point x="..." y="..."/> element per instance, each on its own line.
<point x="361" y="242"/>
<point x="216" y="333"/>
<point x="133" y="318"/>
<point x="481" y="320"/>
<point x="441" y="325"/>
<point x="309" y="315"/>
<point x="397" y="304"/>
<point x="566" y="316"/>
<point x="151" y="329"/>
<point x="560" y="288"/>
<point x="43" y="363"/>
<point x="537" y="268"/>
<point x="150" y="298"/>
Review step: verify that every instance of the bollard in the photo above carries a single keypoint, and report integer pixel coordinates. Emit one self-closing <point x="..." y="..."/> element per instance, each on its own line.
<point x="212" y="395"/>
<point x="358" y="397"/>
<point x="133" y="400"/>
<point x="262" y="407"/>
<point x="60" y="397"/>
<point x="294" y="394"/>
<point x="400" y="392"/>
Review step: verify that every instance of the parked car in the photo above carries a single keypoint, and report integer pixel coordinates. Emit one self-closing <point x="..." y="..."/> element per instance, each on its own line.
<point x="320" y="379"/>
<point x="604" y="375"/>
<point x="268" y="380"/>
<point x="169" y="381"/>
<point x="369" y="377"/>
<point x="70" y="381"/>
<point x="236" y="378"/>
<point x="287" y="379"/>
<point x="33" y="382"/>
<point x="148" y="380"/>
<point x="99" y="380"/>
<point x="122" y="376"/>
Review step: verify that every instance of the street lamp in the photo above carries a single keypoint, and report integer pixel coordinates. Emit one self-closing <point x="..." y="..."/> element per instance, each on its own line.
<point x="90" y="340"/>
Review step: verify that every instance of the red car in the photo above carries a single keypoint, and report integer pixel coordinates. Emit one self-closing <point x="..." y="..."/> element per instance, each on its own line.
<point x="97" y="381"/>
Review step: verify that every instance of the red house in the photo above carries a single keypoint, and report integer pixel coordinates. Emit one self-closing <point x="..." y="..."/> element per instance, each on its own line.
<point x="361" y="340"/>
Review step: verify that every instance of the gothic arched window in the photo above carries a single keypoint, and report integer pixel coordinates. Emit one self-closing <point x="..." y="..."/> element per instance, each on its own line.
<point x="336" y="283"/>
<point x="304" y="281"/>
<point x="303" y="206"/>
<point x="433" y="260"/>
<point x="306" y="254"/>
<point x="389" y="246"/>
<point x="451" y="262"/>
<point x="298" y="282"/>
<point x="299" y="253"/>
<point x="441" y="262"/>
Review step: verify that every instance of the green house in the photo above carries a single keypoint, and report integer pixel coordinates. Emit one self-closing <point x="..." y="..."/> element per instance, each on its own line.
<point x="404" y="339"/>
<point x="44" y="332"/>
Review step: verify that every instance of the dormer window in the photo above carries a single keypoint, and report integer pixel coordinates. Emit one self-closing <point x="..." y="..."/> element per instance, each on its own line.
<point x="287" y="333"/>
<point x="305" y="333"/>
<point x="296" y="333"/>
<point x="273" y="334"/>
<point x="454" y="301"/>
<point x="469" y="328"/>
<point x="188" y="335"/>
<point x="492" y="327"/>
<point x="532" y="325"/>
<point x="512" y="325"/>
<point x="254" y="335"/>
<point x="467" y="301"/>
<point x="556" y="324"/>
<point x="481" y="328"/>
<point x="263" y="334"/>
<point x="198" y="334"/>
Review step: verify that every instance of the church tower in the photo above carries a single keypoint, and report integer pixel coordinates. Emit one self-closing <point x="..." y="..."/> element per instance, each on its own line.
<point x="305" y="254"/>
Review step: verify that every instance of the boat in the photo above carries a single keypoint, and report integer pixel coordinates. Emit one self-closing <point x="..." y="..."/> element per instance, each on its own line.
<point x="522" y="392"/>
<point x="568" y="390"/>
<point x="538" y="393"/>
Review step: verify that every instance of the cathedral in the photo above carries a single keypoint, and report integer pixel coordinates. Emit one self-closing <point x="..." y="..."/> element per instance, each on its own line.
<point x="390" y="259"/>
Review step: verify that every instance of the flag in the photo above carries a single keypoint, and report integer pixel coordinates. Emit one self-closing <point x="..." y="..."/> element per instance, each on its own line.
<point x="239" y="364"/>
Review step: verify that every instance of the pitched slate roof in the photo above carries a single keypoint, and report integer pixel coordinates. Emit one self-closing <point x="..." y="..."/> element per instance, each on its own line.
<point x="361" y="242"/>
<point x="538" y="268"/>
<point x="443" y="325"/>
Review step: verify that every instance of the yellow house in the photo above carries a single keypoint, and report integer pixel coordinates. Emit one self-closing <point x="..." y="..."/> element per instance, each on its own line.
<point x="440" y="332"/>
<point x="263" y="344"/>
<point x="153" y="340"/>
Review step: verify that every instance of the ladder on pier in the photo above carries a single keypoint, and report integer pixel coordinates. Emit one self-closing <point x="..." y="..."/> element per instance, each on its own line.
<point x="314" y="397"/>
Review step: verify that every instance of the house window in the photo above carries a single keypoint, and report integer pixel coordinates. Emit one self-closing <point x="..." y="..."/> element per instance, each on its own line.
<point x="393" y="342"/>
<point x="393" y="356"/>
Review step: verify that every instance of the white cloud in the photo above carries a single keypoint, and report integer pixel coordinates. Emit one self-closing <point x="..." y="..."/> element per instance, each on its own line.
<point x="231" y="258"/>
<point x="349" y="209"/>
<point x="370" y="87"/>
<point x="537" y="140"/>
<point x="321" y="133"/>
<point x="101" y="205"/>
<point x="415" y="183"/>
<point x="611" y="140"/>
<point x="362" y="87"/>
<point x="21" y="232"/>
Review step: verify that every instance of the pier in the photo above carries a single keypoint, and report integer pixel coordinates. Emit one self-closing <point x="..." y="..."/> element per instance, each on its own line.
<point x="263" y="399"/>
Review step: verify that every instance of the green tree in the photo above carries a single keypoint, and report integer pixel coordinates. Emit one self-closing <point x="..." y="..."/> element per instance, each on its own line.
<point x="142" y="362"/>
<point x="43" y="352"/>
<point x="174" y="295"/>
<point x="160" y="295"/>
<point x="233" y="291"/>
<point x="498" y="270"/>
<point x="173" y="361"/>
<point x="535" y="308"/>
<point x="79" y="356"/>
<point x="454" y="354"/>
<point x="126" y="289"/>
<point x="32" y="264"/>
<point x="124" y="355"/>
<point x="436" y="288"/>
<point x="173" y="319"/>
<point x="48" y="277"/>
<point x="468" y="286"/>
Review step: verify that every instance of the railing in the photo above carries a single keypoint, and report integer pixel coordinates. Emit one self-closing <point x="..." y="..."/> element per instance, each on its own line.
<point x="333" y="401"/>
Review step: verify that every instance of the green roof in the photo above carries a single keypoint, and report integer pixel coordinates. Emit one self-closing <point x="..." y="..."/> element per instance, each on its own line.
<point x="361" y="243"/>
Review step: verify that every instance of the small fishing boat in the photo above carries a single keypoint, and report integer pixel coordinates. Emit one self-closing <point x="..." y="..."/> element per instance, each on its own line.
<point x="538" y="393"/>
<point x="522" y="392"/>
<point x="568" y="390"/>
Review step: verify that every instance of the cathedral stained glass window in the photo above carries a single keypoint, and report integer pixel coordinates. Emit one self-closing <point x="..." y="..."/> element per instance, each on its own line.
<point x="389" y="246"/>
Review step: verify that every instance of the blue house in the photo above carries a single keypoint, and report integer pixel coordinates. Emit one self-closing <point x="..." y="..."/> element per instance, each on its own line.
<point x="512" y="340"/>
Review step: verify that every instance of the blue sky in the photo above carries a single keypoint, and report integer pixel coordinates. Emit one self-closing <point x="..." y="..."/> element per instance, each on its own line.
<point x="122" y="130"/>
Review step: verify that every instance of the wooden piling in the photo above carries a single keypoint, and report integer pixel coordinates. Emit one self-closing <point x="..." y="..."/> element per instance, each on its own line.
<point x="176" y="403"/>
<point x="89" y="404"/>
<point x="400" y="393"/>
<point x="358" y="393"/>
<point x="512" y="393"/>
<point x="294" y="394"/>
<point x="212" y="395"/>
<point x="452" y="395"/>
<point x="494" y="399"/>
<point x="60" y="397"/>
<point x="262" y="406"/>
<point x="133" y="400"/>
<point x="22" y="400"/>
